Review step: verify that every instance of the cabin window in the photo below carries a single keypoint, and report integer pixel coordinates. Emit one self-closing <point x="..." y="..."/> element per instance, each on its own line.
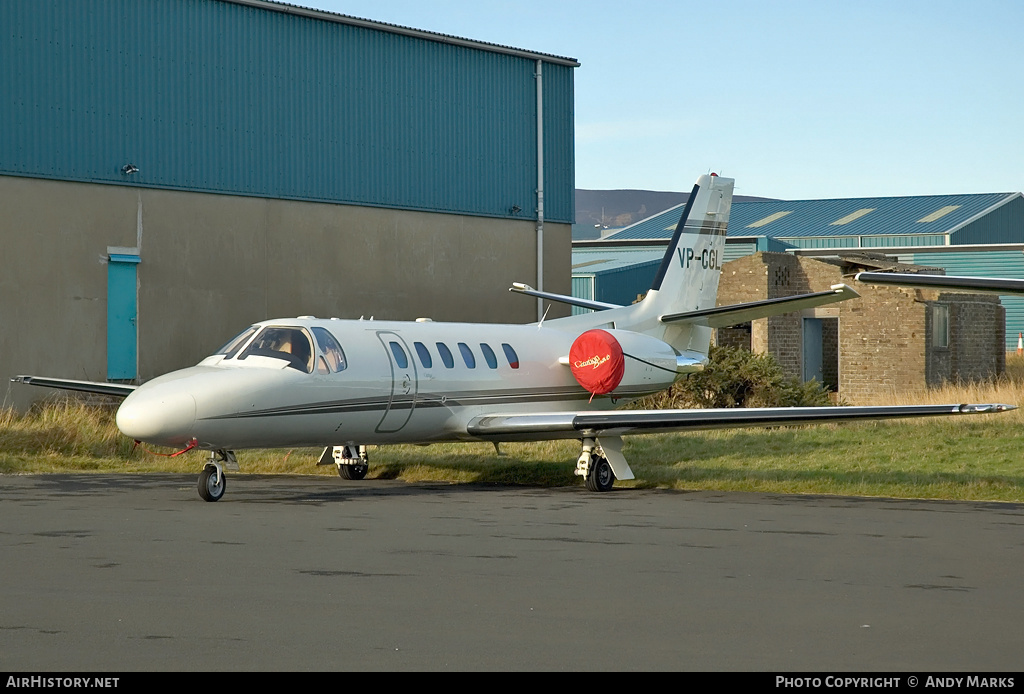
<point x="332" y="351"/>
<point x="446" y="355"/>
<point x="489" y="357"/>
<point x="289" y="344"/>
<point x="400" y="358"/>
<point x="231" y="347"/>
<point x="467" y="355"/>
<point x="424" y="354"/>
<point x="510" y="354"/>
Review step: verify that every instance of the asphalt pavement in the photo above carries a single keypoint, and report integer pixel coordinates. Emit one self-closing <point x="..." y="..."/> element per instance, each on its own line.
<point x="106" y="573"/>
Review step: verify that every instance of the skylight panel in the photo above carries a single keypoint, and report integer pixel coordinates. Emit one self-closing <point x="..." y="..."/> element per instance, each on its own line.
<point x="938" y="214"/>
<point x="853" y="216"/>
<point x="589" y="262"/>
<point x="769" y="219"/>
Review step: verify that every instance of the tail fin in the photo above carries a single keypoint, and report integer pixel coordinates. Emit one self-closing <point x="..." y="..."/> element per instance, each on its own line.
<point x="688" y="277"/>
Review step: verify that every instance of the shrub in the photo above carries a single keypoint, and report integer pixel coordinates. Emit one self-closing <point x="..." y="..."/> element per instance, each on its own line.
<point x="738" y="378"/>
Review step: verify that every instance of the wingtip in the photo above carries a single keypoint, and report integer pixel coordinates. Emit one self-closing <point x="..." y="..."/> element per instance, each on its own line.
<point x="986" y="407"/>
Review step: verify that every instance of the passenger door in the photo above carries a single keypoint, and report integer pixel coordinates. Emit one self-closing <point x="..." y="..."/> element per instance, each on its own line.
<point x="404" y="383"/>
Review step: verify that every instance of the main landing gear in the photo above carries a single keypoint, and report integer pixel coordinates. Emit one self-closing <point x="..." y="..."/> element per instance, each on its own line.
<point x="353" y="461"/>
<point x="593" y="466"/>
<point x="212" y="482"/>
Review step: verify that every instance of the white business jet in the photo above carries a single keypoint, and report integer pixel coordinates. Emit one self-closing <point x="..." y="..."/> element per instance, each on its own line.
<point x="346" y="384"/>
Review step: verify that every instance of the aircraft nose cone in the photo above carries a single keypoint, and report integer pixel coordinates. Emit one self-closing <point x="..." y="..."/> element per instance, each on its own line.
<point x="162" y="416"/>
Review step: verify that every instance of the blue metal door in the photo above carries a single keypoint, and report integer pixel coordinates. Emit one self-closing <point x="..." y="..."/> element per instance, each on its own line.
<point x="813" y="357"/>
<point x="122" y="316"/>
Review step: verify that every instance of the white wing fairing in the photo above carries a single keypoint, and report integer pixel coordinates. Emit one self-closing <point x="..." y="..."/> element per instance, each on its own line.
<point x="343" y="384"/>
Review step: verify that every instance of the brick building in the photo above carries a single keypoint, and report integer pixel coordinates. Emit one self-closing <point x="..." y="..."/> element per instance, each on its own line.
<point x="889" y="341"/>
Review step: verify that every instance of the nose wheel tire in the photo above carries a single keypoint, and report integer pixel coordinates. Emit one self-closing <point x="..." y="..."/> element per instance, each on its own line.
<point x="211" y="484"/>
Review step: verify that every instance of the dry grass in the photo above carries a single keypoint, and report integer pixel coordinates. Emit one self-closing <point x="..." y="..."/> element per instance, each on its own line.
<point x="1008" y="389"/>
<point x="970" y="457"/>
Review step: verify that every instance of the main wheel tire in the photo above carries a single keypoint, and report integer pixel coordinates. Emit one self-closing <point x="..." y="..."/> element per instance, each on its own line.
<point x="353" y="472"/>
<point x="601" y="477"/>
<point x="209" y="489"/>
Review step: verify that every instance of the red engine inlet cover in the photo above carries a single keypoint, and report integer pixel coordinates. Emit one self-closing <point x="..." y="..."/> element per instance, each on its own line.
<point x="596" y="361"/>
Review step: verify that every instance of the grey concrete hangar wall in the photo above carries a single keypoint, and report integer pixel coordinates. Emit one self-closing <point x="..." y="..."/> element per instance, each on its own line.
<point x="213" y="264"/>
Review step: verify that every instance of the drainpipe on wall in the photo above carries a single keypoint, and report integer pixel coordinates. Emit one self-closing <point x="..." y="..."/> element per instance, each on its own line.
<point x="540" y="187"/>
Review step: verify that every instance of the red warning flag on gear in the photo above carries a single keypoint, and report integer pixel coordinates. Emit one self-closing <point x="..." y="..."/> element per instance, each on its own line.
<point x="596" y="361"/>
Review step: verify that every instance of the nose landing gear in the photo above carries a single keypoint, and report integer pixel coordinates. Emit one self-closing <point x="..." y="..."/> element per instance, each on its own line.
<point x="212" y="482"/>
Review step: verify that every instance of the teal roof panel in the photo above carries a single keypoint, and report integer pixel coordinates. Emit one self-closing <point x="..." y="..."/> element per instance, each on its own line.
<point x="597" y="261"/>
<point x="916" y="216"/>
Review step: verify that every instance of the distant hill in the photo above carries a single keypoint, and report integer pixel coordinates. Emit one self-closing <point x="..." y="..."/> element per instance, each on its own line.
<point x="598" y="210"/>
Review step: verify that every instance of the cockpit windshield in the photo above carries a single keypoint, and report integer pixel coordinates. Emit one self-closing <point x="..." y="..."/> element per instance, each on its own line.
<point x="289" y="344"/>
<point x="231" y="347"/>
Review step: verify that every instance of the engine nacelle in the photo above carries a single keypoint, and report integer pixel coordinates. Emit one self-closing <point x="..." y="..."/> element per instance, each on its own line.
<point x="603" y="361"/>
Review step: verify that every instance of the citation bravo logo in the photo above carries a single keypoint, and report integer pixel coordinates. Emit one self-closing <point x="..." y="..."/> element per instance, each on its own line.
<point x="911" y="681"/>
<point x="594" y="361"/>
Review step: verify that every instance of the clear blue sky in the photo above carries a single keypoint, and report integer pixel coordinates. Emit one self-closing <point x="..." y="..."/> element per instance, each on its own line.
<point x="794" y="99"/>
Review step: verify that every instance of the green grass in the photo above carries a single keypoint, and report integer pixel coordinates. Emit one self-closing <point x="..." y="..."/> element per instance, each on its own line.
<point x="976" y="458"/>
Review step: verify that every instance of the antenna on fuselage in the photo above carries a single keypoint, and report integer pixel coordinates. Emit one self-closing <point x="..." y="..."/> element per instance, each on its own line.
<point x="543" y="317"/>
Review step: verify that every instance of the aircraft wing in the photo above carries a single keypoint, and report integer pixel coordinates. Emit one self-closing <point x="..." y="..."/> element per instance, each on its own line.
<point x="117" y="389"/>
<point x="724" y="316"/>
<point x="531" y="427"/>
<point x="990" y="285"/>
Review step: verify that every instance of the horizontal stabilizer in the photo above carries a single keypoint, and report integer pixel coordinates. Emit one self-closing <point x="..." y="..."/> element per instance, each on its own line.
<point x="561" y="298"/>
<point x="989" y="285"/>
<point x="724" y="316"/>
<point x="533" y="427"/>
<point x="118" y="389"/>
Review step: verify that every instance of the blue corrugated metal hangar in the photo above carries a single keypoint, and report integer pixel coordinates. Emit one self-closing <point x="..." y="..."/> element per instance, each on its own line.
<point x="173" y="170"/>
<point x="969" y="234"/>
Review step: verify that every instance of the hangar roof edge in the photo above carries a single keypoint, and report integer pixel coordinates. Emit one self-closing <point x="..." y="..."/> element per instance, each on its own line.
<point x="288" y="8"/>
<point x="894" y="216"/>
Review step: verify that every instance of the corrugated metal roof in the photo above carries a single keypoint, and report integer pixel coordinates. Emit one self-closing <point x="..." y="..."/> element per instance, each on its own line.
<point x="595" y="261"/>
<point x="792" y="219"/>
<point x="290" y="8"/>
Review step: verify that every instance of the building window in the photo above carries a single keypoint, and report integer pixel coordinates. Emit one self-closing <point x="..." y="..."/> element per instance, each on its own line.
<point x="940" y="325"/>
